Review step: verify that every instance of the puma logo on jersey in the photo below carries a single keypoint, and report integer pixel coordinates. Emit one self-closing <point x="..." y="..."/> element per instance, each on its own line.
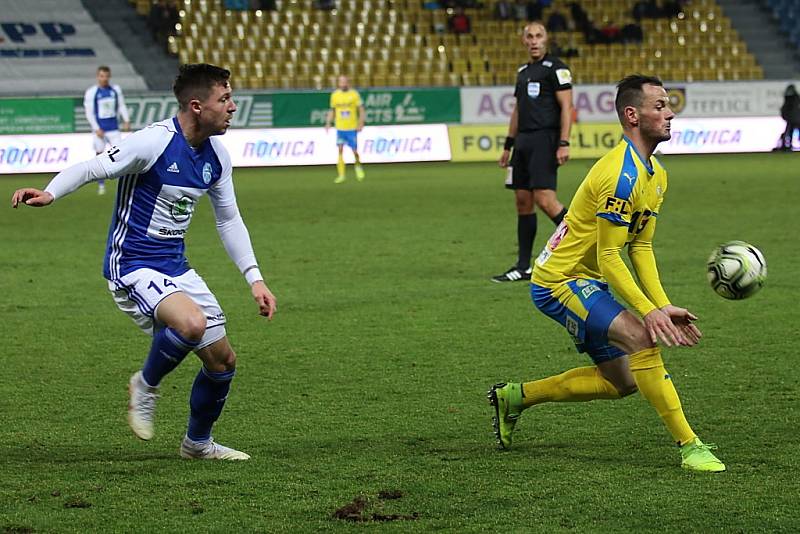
<point x="630" y="178"/>
<point x="173" y="167"/>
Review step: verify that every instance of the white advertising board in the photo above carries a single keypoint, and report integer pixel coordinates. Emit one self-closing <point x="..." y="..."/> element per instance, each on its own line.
<point x="723" y="135"/>
<point x="314" y="146"/>
<point x="595" y="103"/>
<point x="43" y="153"/>
<point x="247" y="147"/>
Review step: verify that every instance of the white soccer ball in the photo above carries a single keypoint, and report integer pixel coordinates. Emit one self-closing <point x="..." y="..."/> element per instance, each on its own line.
<point x="736" y="270"/>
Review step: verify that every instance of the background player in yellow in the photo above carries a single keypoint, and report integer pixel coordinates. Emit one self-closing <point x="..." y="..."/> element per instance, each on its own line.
<point x="348" y="111"/>
<point x="616" y="205"/>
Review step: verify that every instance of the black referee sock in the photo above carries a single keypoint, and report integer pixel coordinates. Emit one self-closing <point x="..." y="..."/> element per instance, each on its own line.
<point x="526" y="232"/>
<point x="560" y="217"/>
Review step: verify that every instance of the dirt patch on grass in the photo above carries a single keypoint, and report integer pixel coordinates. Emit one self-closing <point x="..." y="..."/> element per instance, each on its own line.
<point x="363" y="509"/>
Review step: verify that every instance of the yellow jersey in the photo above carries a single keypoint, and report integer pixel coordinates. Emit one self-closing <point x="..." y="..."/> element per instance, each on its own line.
<point x="616" y="205"/>
<point x="345" y="105"/>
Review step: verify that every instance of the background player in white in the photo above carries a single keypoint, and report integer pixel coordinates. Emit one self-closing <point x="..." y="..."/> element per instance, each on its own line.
<point x="104" y="104"/>
<point x="164" y="169"/>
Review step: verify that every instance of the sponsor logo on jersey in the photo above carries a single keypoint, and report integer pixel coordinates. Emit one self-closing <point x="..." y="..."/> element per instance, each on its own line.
<point x="588" y="290"/>
<point x="547" y="63"/>
<point x="173" y="167"/>
<point x="534" y="88"/>
<point x="206" y="172"/>
<point x="572" y="326"/>
<point x="169" y="232"/>
<point x="181" y="210"/>
<point x="618" y="205"/>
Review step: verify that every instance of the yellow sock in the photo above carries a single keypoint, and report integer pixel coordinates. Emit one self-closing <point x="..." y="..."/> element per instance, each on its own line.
<point x="580" y="384"/>
<point x="655" y="385"/>
<point x="340" y="166"/>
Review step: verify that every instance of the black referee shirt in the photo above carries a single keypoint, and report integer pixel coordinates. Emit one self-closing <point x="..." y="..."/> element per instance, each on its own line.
<point x="537" y="83"/>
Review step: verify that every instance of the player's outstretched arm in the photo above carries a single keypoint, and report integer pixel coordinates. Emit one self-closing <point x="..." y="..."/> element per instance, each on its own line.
<point x="31" y="197"/>
<point x="267" y="304"/>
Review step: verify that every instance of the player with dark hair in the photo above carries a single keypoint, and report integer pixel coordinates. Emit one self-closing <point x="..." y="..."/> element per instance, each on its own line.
<point x="164" y="170"/>
<point x="616" y="205"/>
<point x="104" y="104"/>
<point x="539" y="133"/>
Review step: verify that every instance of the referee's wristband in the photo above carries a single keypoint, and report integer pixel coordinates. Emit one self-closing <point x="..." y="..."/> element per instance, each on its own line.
<point x="563" y="143"/>
<point x="509" y="144"/>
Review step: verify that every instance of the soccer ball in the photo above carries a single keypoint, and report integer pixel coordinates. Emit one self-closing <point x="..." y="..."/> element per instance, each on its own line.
<point x="736" y="270"/>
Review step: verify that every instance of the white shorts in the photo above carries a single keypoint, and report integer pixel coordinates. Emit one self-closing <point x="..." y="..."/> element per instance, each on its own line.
<point x="143" y="290"/>
<point x="112" y="138"/>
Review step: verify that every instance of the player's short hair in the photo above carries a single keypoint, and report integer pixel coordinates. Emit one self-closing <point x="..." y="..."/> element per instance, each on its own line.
<point x="195" y="81"/>
<point x="104" y="68"/>
<point x="630" y="93"/>
<point x="534" y="23"/>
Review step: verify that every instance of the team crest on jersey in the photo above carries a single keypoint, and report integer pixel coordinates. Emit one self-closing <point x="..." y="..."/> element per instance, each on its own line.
<point x="206" y="172"/>
<point x="534" y="88"/>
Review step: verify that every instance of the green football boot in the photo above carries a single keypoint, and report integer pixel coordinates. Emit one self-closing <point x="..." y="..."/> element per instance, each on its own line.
<point x="697" y="456"/>
<point x="507" y="402"/>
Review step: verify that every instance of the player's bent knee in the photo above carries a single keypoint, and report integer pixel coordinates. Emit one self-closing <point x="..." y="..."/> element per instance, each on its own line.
<point x="192" y="326"/>
<point x="629" y="333"/>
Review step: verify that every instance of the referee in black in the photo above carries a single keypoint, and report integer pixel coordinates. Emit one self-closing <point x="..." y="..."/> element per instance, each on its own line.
<point x="539" y="133"/>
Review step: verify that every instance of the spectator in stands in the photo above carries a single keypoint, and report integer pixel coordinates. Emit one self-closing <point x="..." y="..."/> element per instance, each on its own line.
<point x="632" y="33"/>
<point x="520" y="10"/>
<point x="640" y="10"/>
<point x="264" y="5"/>
<point x="557" y="22"/>
<point x="582" y="22"/>
<point x="325" y="5"/>
<point x="161" y="20"/>
<point x="790" y="112"/>
<point x="459" y="22"/>
<point x="533" y="10"/>
<point x="672" y="8"/>
<point x="611" y="33"/>
<point x="503" y="10"/>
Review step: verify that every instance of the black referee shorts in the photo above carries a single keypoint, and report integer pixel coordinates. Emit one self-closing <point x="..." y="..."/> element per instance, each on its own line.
<point x="534" y="164"/>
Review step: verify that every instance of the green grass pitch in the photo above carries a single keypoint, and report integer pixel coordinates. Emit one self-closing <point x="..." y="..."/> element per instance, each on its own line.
<point x="372" y="377"/>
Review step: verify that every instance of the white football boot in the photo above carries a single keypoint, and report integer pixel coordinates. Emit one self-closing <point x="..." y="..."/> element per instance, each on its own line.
<point x="141" y="406"/>
<point x="209" y="450"/>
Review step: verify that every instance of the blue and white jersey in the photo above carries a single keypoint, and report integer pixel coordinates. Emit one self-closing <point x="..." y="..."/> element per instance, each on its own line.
<point x="161" y="180"/>
<point x="103" y="105"/>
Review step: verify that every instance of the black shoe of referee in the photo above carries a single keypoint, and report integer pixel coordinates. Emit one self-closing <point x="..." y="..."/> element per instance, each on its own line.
<point x="514" y="274"/>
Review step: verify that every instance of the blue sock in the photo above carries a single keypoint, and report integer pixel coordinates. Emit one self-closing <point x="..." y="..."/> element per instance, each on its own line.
<point x="206" y="402"/>
<point x="167" y="351"/>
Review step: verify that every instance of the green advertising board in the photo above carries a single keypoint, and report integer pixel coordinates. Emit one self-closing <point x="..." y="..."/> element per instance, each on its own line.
<point x="36" y="116"/>
<point x="396" y="106"/>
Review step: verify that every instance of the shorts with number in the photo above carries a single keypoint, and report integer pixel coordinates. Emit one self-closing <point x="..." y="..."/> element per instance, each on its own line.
<point x="347" y="137"/>
<point x="112" y="138"/>
<point x="586" y="309"/>
<point x="139" y="293"/>
<point x="533" y="163"/>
